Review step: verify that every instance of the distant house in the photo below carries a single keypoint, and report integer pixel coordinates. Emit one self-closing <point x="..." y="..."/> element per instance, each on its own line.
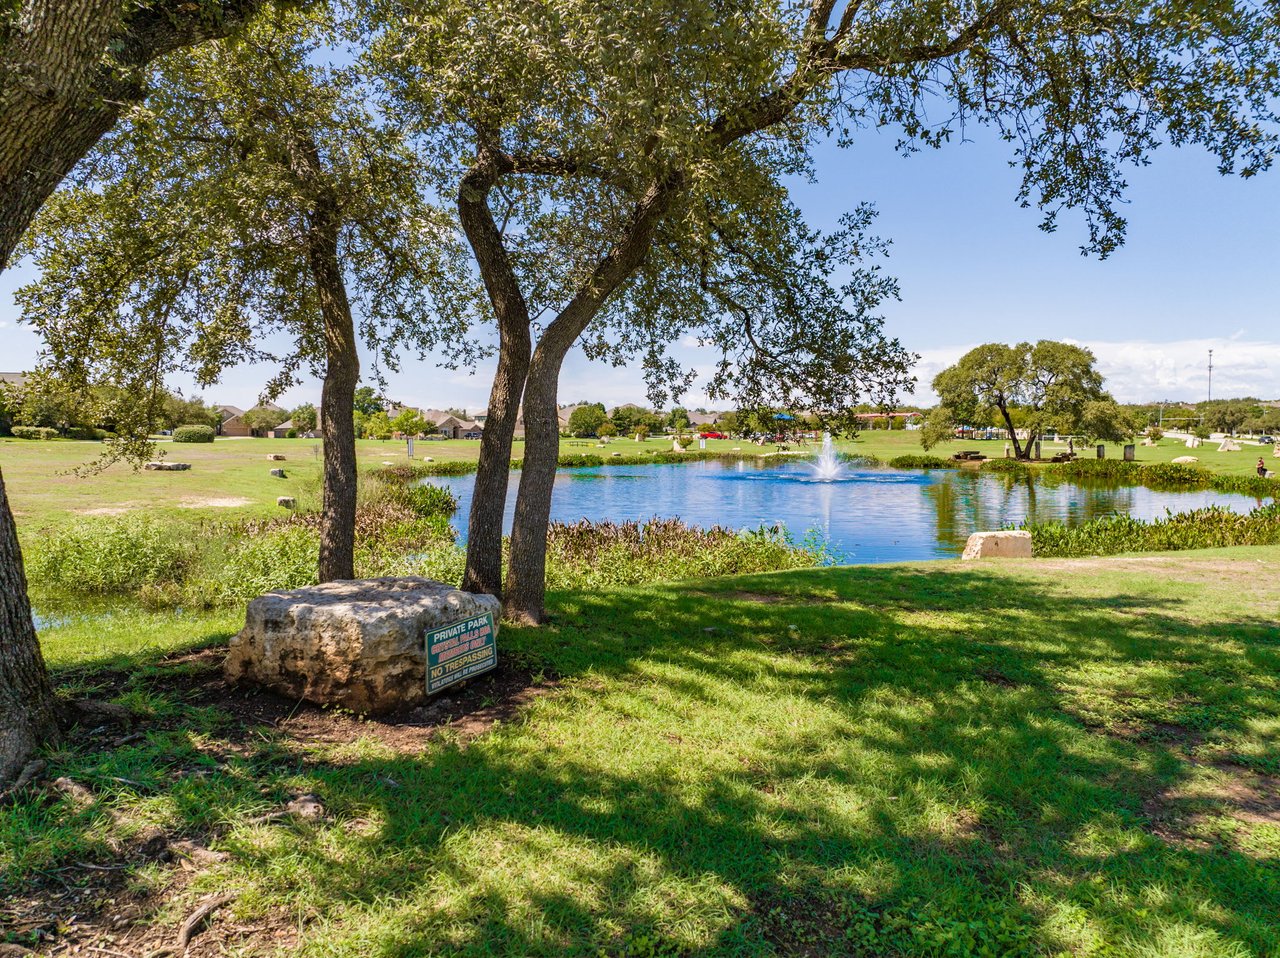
<point x="704" y="418"/>
<point x="14" y="379"/>
<point x="564" y="413"/>
<point x="231" y="421"/>
<point x="455" y="427"/>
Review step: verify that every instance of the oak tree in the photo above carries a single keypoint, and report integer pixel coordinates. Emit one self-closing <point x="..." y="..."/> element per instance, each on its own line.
<point x="68" y="69"/>
<point x="626" y="148"/>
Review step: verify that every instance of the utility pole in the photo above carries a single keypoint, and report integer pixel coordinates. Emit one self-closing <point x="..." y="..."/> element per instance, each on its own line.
<point x="1210" y="397"/>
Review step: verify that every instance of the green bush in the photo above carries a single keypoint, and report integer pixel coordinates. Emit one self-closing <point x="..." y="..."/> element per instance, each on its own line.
<point x="88" y="432"/>
<point x="593" y="555"/>
<point x="921" y="462"/>
<point x="283" y="557"/>
<point x="1208" y="528"/>
<point x="1008" y="467"/>
<point x="34" y="432"/>
<point x="193" y="434"/>
<point x="117" y="554"/>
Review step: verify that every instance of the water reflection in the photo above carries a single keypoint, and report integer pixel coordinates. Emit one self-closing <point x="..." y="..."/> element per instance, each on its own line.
<point x="867" y="515"/>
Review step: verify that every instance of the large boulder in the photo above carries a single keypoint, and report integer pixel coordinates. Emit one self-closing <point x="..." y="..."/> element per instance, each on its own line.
<point x="998" y="545"/>
<point x="358" y="644"/>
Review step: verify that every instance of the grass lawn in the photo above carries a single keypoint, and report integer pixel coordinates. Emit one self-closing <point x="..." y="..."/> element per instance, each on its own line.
<point x="1052" y="757"/>
<point x="886" y="444"/>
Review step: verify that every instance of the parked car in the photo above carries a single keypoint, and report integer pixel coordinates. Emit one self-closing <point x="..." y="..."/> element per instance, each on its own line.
<point x="713" y="435"/>
<point x="1267" y="440"/>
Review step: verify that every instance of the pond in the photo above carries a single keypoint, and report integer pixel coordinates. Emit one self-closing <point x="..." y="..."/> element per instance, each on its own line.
<point x="866" y="515"/>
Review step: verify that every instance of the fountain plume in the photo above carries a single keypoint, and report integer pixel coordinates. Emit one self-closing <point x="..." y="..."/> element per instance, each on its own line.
<point x="827" y="468"/>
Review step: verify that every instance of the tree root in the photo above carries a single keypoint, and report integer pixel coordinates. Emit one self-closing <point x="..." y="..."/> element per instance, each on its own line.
<point x="191" y="927"/>
<point x="25" y="778"/>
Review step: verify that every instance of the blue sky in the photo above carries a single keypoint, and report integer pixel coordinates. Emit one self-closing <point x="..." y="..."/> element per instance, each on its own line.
<point x="1199" y="272"/>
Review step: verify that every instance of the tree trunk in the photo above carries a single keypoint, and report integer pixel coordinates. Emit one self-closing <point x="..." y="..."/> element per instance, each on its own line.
<point x="489" y="498"/>
<point x="337" y="400"/>
<point x="28" y="715"/>
<point x="526" y="579"/>
<point x="1019" y="451"/>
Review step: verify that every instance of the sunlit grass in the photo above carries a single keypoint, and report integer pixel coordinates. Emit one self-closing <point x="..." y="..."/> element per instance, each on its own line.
<point x="930" y="759"/>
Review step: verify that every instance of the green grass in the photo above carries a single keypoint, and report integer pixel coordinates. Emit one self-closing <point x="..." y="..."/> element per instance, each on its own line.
<point x="949" y="758"/>
<point x="886" y="445"/>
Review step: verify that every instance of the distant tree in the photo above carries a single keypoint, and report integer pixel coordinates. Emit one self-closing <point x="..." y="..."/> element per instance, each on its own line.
<point x="409" y="423"/>
<point x="179" y="411"/>
<point x="1027" y="388"/>
<point x="366" y="401"/>
<point x="641" y="431"/>
<point x="606" y="430"/>
<point x="1229" y="415"/>
<point x="377" y="426"/>
<point x="1155" y="433"/>
<point x="938" y="427"/>
<point x="261" y="419"/>
<point x="304" y="417"/>
<point x="1105" y="420"/>
<point x="1201" y="431"/>
<point x="678" y="419"/>
<point x="586" y="420"/>
<point x="728" y="423"/>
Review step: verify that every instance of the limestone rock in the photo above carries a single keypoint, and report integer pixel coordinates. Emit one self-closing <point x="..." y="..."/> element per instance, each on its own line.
<point x="167" y="466"/>
<point x="1185" y="460"/>
<point x="278" y="473"/>
<point x="998" y="545"/>
<point x="287" y="502"/>
<point x="358" y="644"/>
<point x="275" y="457"/>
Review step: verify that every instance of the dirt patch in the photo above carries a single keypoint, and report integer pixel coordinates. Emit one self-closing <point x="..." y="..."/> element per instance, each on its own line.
<point x="996" y="677"/>
<point x="106" y="510"/>
<point x="1184" y="814"/>
<point x="467" y="711"/>
<point x="227" y="502"/>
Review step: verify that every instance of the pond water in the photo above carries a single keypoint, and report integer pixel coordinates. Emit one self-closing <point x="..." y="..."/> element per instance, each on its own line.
<point x="867" y="515"/>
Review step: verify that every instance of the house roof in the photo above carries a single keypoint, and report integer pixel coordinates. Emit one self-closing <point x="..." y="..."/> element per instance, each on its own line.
<point x="287" y="424"/>
<point x="229" y="412"/>
<point x="18" y="379"/>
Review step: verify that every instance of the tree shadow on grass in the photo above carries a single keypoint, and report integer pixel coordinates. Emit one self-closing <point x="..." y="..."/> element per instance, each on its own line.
<point x="882" y="762"/>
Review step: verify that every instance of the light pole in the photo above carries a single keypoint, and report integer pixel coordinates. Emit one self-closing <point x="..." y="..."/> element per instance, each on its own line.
<point x="1210" y="396"/>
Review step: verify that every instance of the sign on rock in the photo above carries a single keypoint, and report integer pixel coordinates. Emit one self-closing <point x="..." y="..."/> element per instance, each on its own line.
<point x="460" y="651"/>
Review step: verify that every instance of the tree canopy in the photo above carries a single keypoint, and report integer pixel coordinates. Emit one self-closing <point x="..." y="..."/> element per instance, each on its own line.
<point x="1028" y="390"/>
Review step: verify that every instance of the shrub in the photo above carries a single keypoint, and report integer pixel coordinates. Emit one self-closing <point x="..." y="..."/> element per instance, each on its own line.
<point x="921" y="462"/>
<point x="1209" y="528"/>
<point x="115" y="554"/>
<point x="291" y="434"/>
<point x="88" y="432"/>
<point x="34" y="432"/>
<point x="603" y="554"/>
<point x="193" y="434"/>
<point x="1009" y="467"/>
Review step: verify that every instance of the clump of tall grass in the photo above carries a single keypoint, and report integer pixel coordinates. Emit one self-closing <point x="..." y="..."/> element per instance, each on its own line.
<point x="603" y="554"/>
<point x="1007" y="467"/>
<point x="921" y="462"/>
<point x="1209" y="528"/>
<point x="1165" y="475"/>
<point x="111" y="554"/>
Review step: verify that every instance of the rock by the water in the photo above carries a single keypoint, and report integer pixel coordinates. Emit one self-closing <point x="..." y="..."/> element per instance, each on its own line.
<point x="998" y="545"/>
<point x="357" y="644"/>
<point x="167" y="466"/>
<point x="287" y="501"/>
<point x="278" y="473"/>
